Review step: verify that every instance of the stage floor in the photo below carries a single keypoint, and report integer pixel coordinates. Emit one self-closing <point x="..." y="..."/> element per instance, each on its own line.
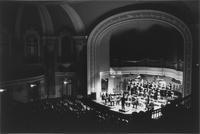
<point x="130" y="109"/>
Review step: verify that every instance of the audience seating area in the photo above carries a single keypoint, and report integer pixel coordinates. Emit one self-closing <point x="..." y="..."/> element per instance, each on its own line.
<point x="83" y="115"/>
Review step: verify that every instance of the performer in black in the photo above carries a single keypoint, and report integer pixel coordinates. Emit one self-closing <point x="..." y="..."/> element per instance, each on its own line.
<point x="106" y="98"/>
<point x="156" y="95"/>
<point x="123" y="99"/>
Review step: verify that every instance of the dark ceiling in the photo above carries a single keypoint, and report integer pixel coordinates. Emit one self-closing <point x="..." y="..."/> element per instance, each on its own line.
<point x="156" y="42"/>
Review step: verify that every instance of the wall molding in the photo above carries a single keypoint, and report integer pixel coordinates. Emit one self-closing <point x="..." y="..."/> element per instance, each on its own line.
<point x="178" y="75"/>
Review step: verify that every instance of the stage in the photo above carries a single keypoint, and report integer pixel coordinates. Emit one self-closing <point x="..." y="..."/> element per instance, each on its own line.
<point x="130" y="108"/>
<point x="135" y="93"/>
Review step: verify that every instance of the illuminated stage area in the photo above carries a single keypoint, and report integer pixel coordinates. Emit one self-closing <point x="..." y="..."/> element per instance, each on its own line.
<point x="129" y="92"/>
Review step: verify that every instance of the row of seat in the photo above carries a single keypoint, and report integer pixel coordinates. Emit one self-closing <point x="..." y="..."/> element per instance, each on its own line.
<point x="66" y="113"/>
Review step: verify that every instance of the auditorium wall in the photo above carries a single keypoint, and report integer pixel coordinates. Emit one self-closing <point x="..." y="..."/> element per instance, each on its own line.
<point x="118" y="75"/>
<point x="178" y="75"/>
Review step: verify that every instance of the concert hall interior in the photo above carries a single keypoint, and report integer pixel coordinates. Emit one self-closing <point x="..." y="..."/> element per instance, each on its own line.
<point x="97" y="66"/>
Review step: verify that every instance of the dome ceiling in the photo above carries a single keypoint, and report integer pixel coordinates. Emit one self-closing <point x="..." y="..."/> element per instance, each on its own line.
<point x="60" y="18"/>
<point x="17" y="18"/>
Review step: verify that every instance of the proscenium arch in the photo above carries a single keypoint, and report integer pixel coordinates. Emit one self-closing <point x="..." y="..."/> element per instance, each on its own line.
<point x="121" y="19"/>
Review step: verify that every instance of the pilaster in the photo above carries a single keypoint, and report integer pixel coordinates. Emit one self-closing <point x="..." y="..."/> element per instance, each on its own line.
<point x="49" y="45"/>
<point x="80" y="43"/>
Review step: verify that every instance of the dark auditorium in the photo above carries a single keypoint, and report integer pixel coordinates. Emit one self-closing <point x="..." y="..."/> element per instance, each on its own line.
<point x="99" y="66"/>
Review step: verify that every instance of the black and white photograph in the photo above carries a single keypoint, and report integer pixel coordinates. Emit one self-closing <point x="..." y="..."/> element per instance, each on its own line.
<point x="99" y="66"/>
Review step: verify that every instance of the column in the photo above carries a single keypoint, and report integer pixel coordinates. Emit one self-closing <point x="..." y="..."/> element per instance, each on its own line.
<point x="43" y="93"/>
<point x="49" y="44"/>
<point x="81" y="60"/>
<point x="79" y="42"/>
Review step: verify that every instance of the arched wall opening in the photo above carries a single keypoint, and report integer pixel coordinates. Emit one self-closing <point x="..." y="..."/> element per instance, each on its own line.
<point x="98" y="59"/>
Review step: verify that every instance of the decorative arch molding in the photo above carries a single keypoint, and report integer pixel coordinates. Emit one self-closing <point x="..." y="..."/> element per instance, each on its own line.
<point x="75" y="18"/>
<point x="46" y="20"/>
<point x="118" y="20"/>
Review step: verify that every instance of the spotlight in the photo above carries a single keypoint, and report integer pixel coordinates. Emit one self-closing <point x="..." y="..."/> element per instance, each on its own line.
<point x="2" y="90"/>
<point x="65" y="82"/>
<point x="32" y="85"/>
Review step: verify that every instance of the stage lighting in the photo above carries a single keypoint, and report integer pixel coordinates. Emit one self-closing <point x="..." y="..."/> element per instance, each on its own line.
<point x="65" y="82"/>
<point x="32" y="85"/>
<point x="2" y="90"/>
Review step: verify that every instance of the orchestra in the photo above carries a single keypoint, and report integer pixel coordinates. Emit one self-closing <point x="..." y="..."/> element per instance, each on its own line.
<point x="141" y="92"/>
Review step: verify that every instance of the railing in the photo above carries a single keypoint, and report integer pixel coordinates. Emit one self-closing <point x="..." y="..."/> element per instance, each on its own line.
<point x="34" y="79"/>
<point x="182" y="100"/>
<point x="22" y="81"/>
<point x="186" y="101"/>
<point x="156" y="114"/>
